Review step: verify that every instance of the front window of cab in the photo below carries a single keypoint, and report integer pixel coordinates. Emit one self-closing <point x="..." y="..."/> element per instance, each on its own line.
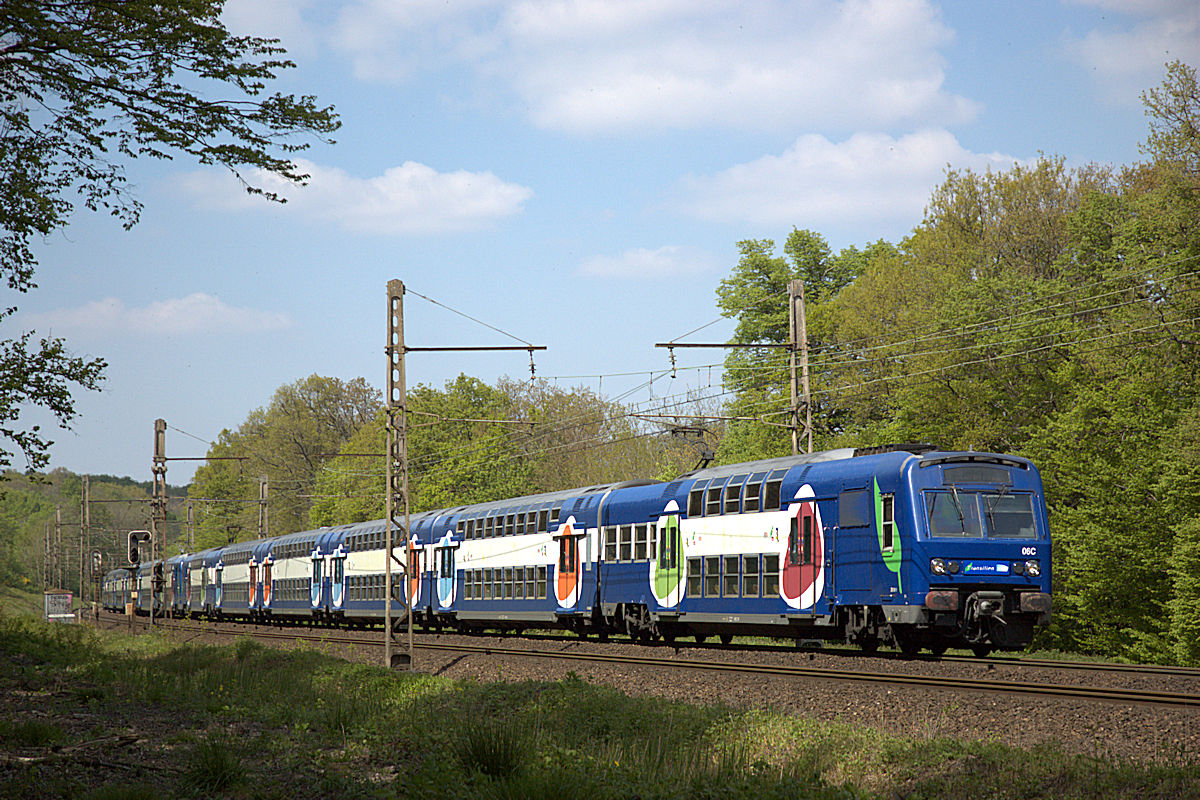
<point x="997" y="515"/>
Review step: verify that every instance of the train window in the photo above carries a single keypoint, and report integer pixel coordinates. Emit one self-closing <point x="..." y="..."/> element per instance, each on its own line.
<point x="510" y="525"/>
<point x="732" y="576"/>
<point x="506" y="588"/>
<point x="693" y="577"/>
<point x="652" y="535"/>
<point x="712" y="503"/>
<point x="770" y="574"/>
<point x="953" y="513"/>
<point x="712" y="576"/>
<point x="887" y="523"/>
<point x="771" y="501"/>
<point x="610" y="543"/>
<point x="976" y="473"/>
<point x="626" y="541"/>
<point x="751" y="497"/>
<point x="639" y="543"/>
<point x="733" y="495"/>
<point x="854" y="508"/>
<point x="519" y="583"/>
<point x="696" y="501"/>
<point x="1009" y="516"/>
<point x="462" y="527"/>
<point x="487" y="583"/>
<point x="793" y="542"/>
<point x="541" y="582"/>
<point x="531" y="520"/>
<point x="733" y="499"/>
<point x="750" y="576"/>
<point x="806" y="541"/>
<point x="554" y="512"/>
<point x="543" y="520"/>
<point x="530" y="582"/>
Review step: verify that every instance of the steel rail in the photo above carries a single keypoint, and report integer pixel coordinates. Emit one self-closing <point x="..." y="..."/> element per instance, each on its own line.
<point x="1136" y="696"/>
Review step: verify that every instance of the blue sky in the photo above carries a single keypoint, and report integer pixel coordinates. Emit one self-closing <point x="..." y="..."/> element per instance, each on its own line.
<point x="574" y="172"/>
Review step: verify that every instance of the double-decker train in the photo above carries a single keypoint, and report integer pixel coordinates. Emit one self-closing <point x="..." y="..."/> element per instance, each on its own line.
<point x="900" y="545"/>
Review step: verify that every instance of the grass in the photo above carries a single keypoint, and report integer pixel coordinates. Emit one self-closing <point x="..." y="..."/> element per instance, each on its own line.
<point x="248" y="721"/>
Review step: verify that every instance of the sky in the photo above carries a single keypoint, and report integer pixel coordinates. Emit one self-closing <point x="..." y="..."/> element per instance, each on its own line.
<point x="576" y="174"/>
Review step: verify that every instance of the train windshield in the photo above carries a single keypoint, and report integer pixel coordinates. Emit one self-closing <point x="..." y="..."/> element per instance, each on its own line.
<point x="980" y="514"/>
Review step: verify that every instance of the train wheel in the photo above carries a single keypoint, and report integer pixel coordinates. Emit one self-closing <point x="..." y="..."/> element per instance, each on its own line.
<point x="981" y="650"/>
<point x="699" y="637"/>
<point x="726" y="638"/>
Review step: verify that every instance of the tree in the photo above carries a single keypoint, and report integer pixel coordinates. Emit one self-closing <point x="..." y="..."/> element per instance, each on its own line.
<point x="85" y="87"/>
<point x="289" y="441"/>
<point x="1174" y="112"/>
<point x="756" y="294"/>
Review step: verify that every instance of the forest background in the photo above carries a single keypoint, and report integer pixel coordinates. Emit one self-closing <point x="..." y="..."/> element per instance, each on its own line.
<point x="1048" y="311"/>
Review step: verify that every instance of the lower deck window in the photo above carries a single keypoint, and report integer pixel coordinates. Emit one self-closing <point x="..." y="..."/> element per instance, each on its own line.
<point x="694" y="577"/>
<point x="770" y="574"/>
<point x="750" y="576"/>
<point x="712" y="576"/>
<point x="732" y="576"/>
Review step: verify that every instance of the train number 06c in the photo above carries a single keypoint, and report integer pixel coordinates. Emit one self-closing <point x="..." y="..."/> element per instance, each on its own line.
<point x="1029" y="551"/>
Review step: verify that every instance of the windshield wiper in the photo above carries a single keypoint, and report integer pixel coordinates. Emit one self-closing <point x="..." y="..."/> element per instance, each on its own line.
<point x="962" y="521"/>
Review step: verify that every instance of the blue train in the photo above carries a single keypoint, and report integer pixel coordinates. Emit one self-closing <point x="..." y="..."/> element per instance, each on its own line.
<point x="904" y="546"/>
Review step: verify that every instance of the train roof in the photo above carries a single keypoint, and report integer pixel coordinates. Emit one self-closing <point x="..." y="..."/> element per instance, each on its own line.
<point x="787" y="462"/>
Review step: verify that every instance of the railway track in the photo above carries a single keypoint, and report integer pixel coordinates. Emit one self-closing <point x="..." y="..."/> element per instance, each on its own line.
<point x="1028" y="689"/>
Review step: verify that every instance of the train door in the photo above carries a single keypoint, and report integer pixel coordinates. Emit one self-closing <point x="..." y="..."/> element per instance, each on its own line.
<point x="445" y="573"/>
<point x="204" y="600"/>
<point x="219" y="589"/>
<point x="337" y="578"/>
<point x="318" y="578"/>
<point x="568" y="575"/>
<point x="667" y="566"/>
<point x="413" y="571"/>
<point x="267" y="588"/>
<point x="252" y="588"/>
<point x="802" y="578"/>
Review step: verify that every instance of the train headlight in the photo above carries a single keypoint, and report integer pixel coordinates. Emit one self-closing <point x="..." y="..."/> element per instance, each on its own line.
<point x="937" y="566"/>
<point x="1033" y="569"/>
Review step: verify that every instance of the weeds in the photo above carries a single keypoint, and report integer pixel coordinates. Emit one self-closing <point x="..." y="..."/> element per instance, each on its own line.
<point x="30" y="733"/>
<point x="493" y="748"/>
<point x="214" y="766"/>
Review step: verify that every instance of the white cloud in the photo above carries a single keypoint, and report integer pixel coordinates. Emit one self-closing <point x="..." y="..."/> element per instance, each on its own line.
<point x="1129" y="57"/>
<point x="663" y="262"/>
<point x="598" y="65"/>
<point x="410" y="199"/>
<point x="273" y="19"/>
<point x="869" y="178"/>
<point x="198" y="313"/>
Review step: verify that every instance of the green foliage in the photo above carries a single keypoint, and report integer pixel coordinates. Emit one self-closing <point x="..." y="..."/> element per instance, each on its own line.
<point x="756" y="295"/>
<point x="414" y="735"/>
<point x="1040" y="310"/>
<point x="30" y="733"/>
<point x="215" y="766"/>
<point x="289" y="441"/>
<point x="87" y="85"/>
<point x="470" y="442"/>
<point x="493" y="748"/>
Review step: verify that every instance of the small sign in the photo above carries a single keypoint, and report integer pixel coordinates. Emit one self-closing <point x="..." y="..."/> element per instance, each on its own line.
<point x="58" y="606"/>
